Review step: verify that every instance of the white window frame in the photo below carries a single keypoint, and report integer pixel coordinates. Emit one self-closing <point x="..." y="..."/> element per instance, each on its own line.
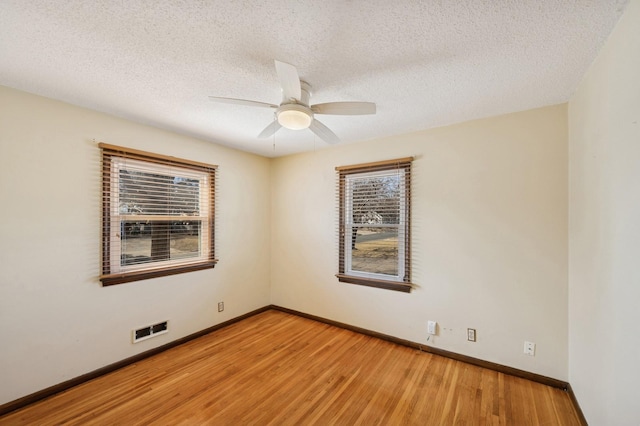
<point x="117" y="218"/>
<point x="349" y="225"/>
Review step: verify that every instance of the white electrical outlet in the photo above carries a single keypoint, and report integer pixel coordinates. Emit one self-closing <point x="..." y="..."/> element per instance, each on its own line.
<point x="471" y="334"/>
<point x="530" y="348"/>
<point x="220" y="306"/>
<point x="431" y="327"/>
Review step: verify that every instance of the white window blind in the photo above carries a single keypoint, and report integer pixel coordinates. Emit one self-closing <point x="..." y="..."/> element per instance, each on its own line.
<point x="158" y="215"/>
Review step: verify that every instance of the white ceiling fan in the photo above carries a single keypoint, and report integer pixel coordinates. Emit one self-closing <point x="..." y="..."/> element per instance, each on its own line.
<point x="294" y="112"/>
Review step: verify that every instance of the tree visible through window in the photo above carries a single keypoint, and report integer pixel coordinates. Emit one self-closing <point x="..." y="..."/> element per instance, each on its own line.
<point x="374" y="224"/>
<point x="157" y="215"/>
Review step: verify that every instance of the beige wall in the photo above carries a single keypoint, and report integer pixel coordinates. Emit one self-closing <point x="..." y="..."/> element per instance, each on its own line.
<point x="489" y="237"/>
<point x="56" y="321"/>
<point x="604" y="231"/>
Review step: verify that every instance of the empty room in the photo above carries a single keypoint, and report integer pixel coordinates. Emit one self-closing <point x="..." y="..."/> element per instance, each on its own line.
<point x="305" y="212"/>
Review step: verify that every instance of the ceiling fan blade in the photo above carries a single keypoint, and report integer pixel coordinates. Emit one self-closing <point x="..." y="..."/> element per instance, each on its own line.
<point x="345" y="108"/>
<point x="289" y="80"/>
<point x="241" y="102"/>
<point x="270" y="129"/>
<point x="323" y="132"/>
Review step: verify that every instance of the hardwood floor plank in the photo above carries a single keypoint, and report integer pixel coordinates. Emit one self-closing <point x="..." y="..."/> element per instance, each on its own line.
<point x="281" y="369"/>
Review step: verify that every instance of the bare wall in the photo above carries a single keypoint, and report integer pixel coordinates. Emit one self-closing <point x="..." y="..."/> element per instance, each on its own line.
<point x="56" y="321"/>
<point x="489" y="236"/>
<point x="604" y="230"/>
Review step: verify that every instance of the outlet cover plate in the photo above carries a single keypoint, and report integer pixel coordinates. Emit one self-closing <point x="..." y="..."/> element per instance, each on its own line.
<point x="530" y="348"/>
<point x="471" y="334"/>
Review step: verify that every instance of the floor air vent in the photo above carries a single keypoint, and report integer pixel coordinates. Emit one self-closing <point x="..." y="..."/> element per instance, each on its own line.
<point x="150" y="331"/>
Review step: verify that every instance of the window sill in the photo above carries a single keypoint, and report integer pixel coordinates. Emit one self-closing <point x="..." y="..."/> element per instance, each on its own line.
<point x="127" y="277"/>
<point x="369" y="282"/>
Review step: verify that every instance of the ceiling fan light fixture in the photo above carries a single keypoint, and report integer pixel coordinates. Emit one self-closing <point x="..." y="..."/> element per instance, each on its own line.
<point x="294" y="117"/>
<point x="295" y="111"/>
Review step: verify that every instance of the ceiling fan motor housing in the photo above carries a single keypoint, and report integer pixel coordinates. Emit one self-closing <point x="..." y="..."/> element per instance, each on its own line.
<point x="305" y="95"/>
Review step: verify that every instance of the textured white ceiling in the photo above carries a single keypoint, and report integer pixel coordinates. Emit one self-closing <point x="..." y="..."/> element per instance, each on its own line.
<point x="424" y="63"/>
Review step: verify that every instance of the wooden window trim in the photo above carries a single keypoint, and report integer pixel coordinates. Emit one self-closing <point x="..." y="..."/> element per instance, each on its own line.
<point x="343" y="171"/>
<point x="128" y="277"/>
<point x="108" y="151"/>
<point x="377" y="165"/>
<point x="155" y="158"/>
<point x="370" y="282"/>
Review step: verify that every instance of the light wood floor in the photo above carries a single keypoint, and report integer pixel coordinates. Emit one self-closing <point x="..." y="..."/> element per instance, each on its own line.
<point x="277" y="368"/>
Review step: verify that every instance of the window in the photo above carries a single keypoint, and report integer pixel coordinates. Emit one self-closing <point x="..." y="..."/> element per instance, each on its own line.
<point x="157" y="215"/>
<point x="374" y="231"/>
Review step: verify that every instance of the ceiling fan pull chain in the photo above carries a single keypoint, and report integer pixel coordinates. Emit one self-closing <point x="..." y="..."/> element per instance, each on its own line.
<point x="274" y="133"/>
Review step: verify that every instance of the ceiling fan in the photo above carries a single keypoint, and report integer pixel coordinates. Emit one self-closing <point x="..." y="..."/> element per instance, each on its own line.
<point x="295" y="113"/>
